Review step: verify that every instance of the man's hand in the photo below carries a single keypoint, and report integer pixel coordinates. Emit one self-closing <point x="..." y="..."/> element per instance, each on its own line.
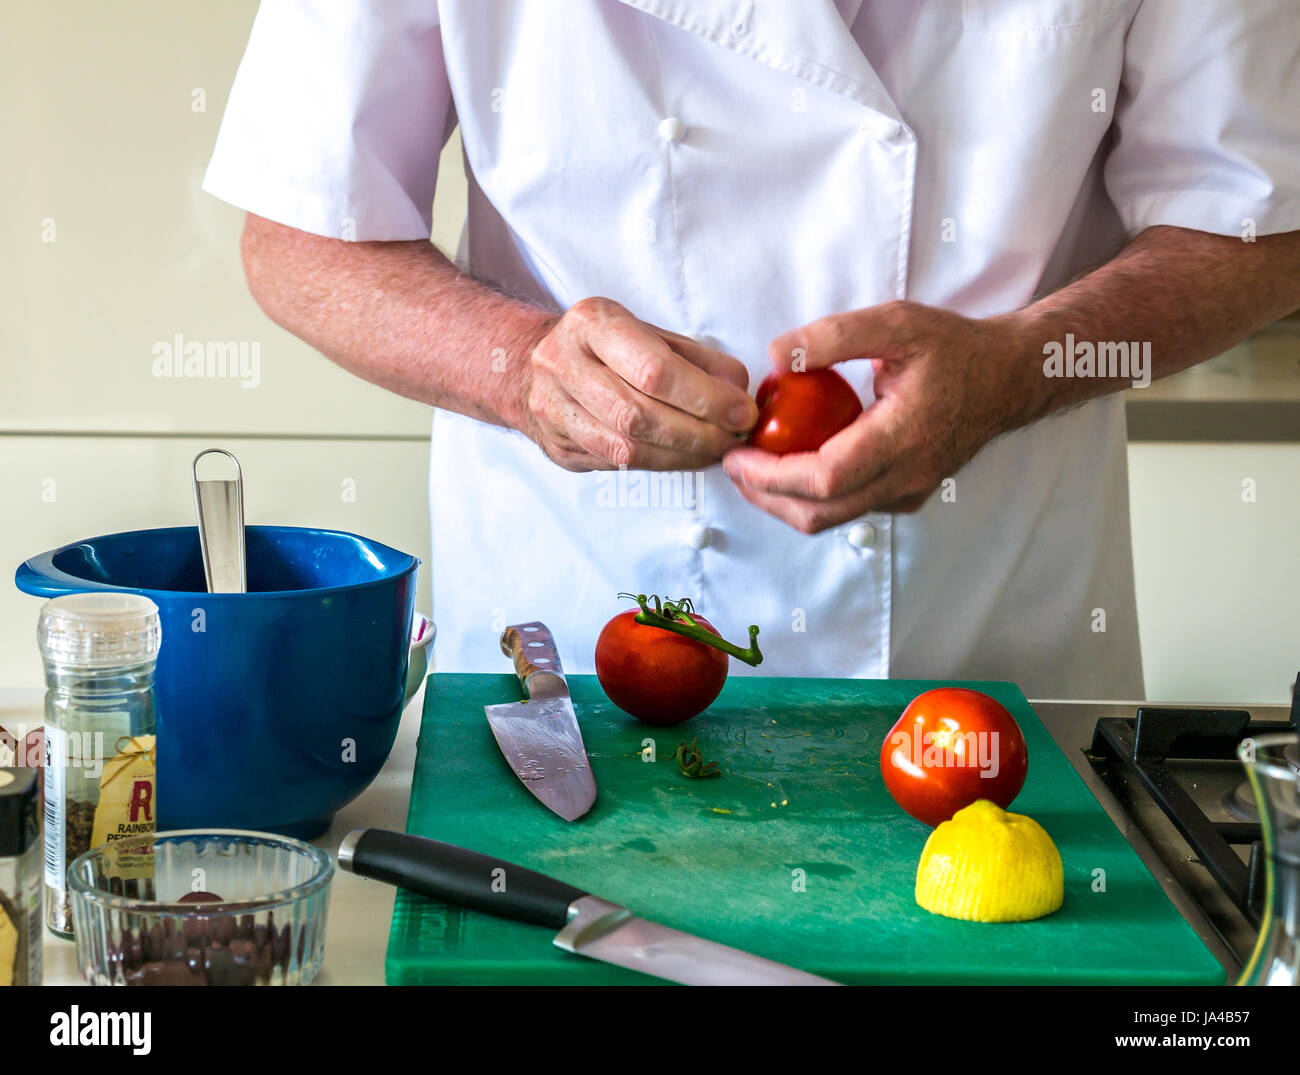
<point x="404" y="317"/>
<point x="595" y="387"/>
<point x="945" y="385"/>
<point x="606" y="390"/>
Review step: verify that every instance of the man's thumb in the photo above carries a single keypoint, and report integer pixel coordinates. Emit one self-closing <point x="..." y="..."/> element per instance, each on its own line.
<point x="882" y="331"/>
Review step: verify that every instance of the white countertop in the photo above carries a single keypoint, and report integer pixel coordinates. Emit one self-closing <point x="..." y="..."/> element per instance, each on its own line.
<point x="356" y="936"/>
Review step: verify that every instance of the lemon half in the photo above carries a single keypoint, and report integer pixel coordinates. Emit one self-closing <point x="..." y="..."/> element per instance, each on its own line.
<point x="985" y="865"/>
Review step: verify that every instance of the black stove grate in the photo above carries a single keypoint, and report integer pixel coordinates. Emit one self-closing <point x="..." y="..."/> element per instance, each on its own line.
<point x="1140" y="749"/>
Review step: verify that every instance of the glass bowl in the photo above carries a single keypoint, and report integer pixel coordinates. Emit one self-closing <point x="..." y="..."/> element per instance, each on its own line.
<point x="200" y="907"/>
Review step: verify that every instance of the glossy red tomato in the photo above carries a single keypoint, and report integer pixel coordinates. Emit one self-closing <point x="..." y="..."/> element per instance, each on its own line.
<point x="799" y="412"/>
<point x="658" y="676"/>
<point x="950" y="747"/>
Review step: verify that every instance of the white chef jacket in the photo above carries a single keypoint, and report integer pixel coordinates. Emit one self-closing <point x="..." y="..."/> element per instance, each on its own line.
<point x="825" y="156"/>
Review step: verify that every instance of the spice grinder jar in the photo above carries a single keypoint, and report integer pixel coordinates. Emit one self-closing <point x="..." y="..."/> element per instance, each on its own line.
<point x="99" y="651"/>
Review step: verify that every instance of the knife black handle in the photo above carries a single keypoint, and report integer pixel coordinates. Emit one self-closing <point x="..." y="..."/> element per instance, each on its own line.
<point x="456" y="875"/>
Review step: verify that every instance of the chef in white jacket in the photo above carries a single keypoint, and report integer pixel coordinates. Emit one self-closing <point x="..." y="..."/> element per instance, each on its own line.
<point x="990" y="215"/>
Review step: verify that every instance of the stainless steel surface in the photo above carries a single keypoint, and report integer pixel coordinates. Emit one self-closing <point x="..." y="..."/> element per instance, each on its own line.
<point x="605" y="931"/>
<point x="347" y="847"/>
<point x="1248" y="394"/>
<point x="1220" y="421"/>
<point x="220" y="508"/>
<point x="540" y="737"/>
<point x="1187" y="883"/>
<point x="1240" y="803"/>
<point x="541" y="741"/>
<point x="542" y="684"/>
<point x="1292" y="757"/>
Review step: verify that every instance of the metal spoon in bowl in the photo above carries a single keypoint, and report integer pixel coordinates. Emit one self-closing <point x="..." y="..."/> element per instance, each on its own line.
<point x="220" y="506"/>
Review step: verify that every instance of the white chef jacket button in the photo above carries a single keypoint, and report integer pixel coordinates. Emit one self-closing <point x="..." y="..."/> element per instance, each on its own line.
<point x="862" y="535"/>
<point x="672" y="129"/>
<point x="699" y="536"/>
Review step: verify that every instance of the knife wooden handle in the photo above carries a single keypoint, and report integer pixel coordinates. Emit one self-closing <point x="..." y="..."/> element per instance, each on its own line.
<point x="532" y="647"/>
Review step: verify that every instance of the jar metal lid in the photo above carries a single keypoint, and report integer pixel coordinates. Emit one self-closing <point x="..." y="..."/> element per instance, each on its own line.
<point x="99" y="630"/>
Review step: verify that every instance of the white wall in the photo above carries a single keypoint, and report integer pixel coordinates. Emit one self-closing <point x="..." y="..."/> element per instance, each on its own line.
<point x="105" y="143"/>
<point x="104" y="146"/>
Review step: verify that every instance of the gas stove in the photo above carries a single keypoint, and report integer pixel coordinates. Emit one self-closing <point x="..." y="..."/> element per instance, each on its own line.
<point x="1170" y="779"/>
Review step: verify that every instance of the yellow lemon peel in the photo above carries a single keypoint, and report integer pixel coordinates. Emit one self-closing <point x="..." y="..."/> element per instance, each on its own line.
<point x="986" y="865"/>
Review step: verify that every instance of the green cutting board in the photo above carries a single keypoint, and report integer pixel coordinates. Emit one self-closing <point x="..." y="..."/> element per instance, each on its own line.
<point x="797" y="852"/>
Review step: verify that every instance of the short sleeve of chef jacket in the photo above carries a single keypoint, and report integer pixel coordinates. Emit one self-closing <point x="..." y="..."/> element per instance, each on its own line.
<point x="1208" y="118"/>
<point x="336" y="119"/>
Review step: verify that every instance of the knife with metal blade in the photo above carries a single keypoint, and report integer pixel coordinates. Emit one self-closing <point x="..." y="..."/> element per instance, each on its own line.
<point x="588" y="925"/>
<point x="539" y="736"/>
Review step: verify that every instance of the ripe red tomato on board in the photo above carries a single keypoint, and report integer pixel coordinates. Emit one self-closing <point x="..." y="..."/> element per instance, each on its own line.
<point x="951" y="747"/>
<point x="799" y="412"/>
<point x="655" y="675"/>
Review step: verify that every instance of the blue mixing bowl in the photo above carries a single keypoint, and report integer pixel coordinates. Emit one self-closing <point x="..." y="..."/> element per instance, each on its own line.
<point x="276" y="707"/>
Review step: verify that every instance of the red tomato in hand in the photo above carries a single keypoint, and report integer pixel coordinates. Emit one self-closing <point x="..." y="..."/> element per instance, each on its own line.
<point x="799" y="412"/>
<point x="656" y="675"/>
<point x="950" y="747"/>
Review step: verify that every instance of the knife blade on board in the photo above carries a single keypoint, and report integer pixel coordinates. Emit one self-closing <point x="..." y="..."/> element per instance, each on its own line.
<point x="588" y="925"/>
<point x="539" y="736"/>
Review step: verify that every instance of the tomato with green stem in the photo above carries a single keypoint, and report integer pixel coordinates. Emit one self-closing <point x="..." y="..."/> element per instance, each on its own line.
<point x="667" y="663"/>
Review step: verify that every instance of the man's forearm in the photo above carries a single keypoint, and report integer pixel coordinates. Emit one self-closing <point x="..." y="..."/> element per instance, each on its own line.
<point x="404" y="317"/>
<point x="1189" y="294"/>
<point x="400" y="315"/>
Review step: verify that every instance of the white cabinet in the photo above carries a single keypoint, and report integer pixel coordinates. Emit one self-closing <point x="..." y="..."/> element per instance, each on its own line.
<point x="1216" y="547"/>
